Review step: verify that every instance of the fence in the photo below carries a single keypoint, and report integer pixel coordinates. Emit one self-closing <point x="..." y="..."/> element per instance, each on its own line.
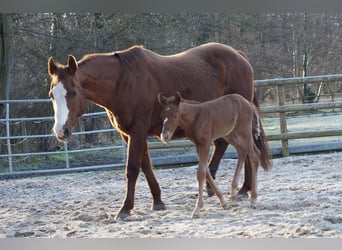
<point x="64" y="157"/>
<point x="282" y="109"/>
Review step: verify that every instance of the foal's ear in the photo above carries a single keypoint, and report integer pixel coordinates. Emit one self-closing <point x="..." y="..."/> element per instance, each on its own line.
<point x="72" y="65"/>
<point x="161" y="98"/>
<point x="178" y="98"/>
<point x="52" y="68"/>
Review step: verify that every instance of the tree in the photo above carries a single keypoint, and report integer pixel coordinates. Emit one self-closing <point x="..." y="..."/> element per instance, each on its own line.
<point x="6" y="55"/>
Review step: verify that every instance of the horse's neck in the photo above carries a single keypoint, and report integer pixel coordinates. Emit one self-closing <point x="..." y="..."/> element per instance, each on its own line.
<point x="188" y="113"/>
<point x="98" y="82"/>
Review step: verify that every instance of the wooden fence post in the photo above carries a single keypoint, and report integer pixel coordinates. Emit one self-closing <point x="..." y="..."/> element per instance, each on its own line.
<point x="282" y="121"/>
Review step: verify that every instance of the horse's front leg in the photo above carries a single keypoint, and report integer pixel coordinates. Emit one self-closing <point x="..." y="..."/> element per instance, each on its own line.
<point x="135" y="150"/>
<point x="203" y="152"/>
<point x="147" y="169"/>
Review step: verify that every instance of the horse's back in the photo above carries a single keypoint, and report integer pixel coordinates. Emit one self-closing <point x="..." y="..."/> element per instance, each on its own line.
<point x="232" y="68"/>
<point x="231" y="107"/>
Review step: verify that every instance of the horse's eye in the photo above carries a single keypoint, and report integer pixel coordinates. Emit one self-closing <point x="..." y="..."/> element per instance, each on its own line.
<point x="72" y="94"/>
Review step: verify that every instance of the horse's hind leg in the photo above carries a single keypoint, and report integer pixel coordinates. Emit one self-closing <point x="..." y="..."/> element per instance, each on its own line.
<point x="254" y="159"/>
<point x="242" y="155"/>
<point x="216" y="189"/>
<point x="219" y="150"/>
<point x="248" y="179"/>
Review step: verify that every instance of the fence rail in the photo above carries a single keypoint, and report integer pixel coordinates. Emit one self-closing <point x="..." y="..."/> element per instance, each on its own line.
<point x="63" y="155"/>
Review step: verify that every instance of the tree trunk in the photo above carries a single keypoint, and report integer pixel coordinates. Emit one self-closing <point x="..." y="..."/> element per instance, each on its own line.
<point x="6" y="57"/>
<point x="306" y="89"/>
<point x="54" y="33"/>
<point x="6" y="45"/>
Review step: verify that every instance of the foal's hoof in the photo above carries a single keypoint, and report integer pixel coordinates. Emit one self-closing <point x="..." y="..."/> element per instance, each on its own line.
<point x="225" y="206"/>
<point x="196" y="216"/>
<point x="253" y="204"/>
<point x="158" y="206"/>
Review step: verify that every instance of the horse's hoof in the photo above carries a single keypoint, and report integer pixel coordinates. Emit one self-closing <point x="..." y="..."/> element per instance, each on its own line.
<point x="253" y="205"/>
<point x="195" y="216"/>
<point x="210" y="191"/>
<point x="233" y="194"/>
<point x="242" y="192"/>
<point x="240" y="197"/>
<point x="158" y="206"/>
<point x="122" y="216"/>
<point x="225" y="206"/>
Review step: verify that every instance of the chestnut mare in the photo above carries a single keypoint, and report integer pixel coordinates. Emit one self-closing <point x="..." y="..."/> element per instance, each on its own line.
<point x="230" y="117"/>
<point x="126" y="83"/>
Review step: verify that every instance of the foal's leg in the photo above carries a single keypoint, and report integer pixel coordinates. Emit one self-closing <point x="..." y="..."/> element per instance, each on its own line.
<point x="254" y="156"/>
<point x="248" y="179"/>
<point x="216" y="189"/>
<point x="242" y="155"/>
<point x="147" y="169"/>
<point x="203" y="152"/>
<point x="202" y="174"/>
<point x="220" y="146"/>
<point x="219" y="150"/>
<point x="238" y="140"/>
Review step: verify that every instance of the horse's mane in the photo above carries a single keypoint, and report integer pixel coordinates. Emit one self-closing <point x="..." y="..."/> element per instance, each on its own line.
<point x="130" y="57"/>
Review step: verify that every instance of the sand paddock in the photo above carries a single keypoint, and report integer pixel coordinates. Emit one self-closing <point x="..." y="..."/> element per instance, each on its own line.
<point x="300" y="197"/>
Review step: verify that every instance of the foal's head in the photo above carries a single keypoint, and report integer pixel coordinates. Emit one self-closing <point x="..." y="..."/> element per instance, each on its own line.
<point x="66" y="96"/>
<point x="170" y="115"/>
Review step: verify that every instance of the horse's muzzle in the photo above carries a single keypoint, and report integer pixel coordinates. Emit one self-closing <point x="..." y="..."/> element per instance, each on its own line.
<point x="63" y="134"/>
<point x="165" y="137"/>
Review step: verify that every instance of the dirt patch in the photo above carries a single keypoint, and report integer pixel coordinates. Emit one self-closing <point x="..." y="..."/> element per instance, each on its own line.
<point x="300" y="197"/>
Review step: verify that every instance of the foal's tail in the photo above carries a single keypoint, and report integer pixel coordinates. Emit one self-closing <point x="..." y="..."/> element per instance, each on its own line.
<point x="260" y="138"/>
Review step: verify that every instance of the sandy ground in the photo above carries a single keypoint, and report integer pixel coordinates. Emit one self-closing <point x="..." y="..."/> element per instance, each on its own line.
<point x="300" y="197"/>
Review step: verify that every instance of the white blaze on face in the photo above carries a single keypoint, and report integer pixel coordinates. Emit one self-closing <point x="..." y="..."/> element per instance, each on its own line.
<point x="164" y="136"/>
<point x="60" y="108"/>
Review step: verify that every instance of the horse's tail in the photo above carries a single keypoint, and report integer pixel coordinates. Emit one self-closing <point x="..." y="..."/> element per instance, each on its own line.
<point x="256" y="124"/>
<point x="259" y="137"/>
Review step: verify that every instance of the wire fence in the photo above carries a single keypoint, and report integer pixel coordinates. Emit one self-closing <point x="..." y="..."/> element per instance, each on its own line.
<point x="27" y="146"/>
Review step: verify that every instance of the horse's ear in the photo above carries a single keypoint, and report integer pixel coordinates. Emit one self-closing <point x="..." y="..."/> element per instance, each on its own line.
<point x="178" y="98"/>
<point x="161" y="98"/>
<point x="52" y="68"/>
<point x="72" y="64"/>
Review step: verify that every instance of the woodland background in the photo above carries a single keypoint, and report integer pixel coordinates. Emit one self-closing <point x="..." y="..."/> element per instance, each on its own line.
<point x="277" y="44"/>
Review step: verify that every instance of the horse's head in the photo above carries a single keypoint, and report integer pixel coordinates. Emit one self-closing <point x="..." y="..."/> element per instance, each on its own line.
<point x="67" y="97"/>
<point x="169" y="115"/>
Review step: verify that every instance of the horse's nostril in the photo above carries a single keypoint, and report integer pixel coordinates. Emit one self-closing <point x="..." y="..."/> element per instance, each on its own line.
<point x="66" y="132"/>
